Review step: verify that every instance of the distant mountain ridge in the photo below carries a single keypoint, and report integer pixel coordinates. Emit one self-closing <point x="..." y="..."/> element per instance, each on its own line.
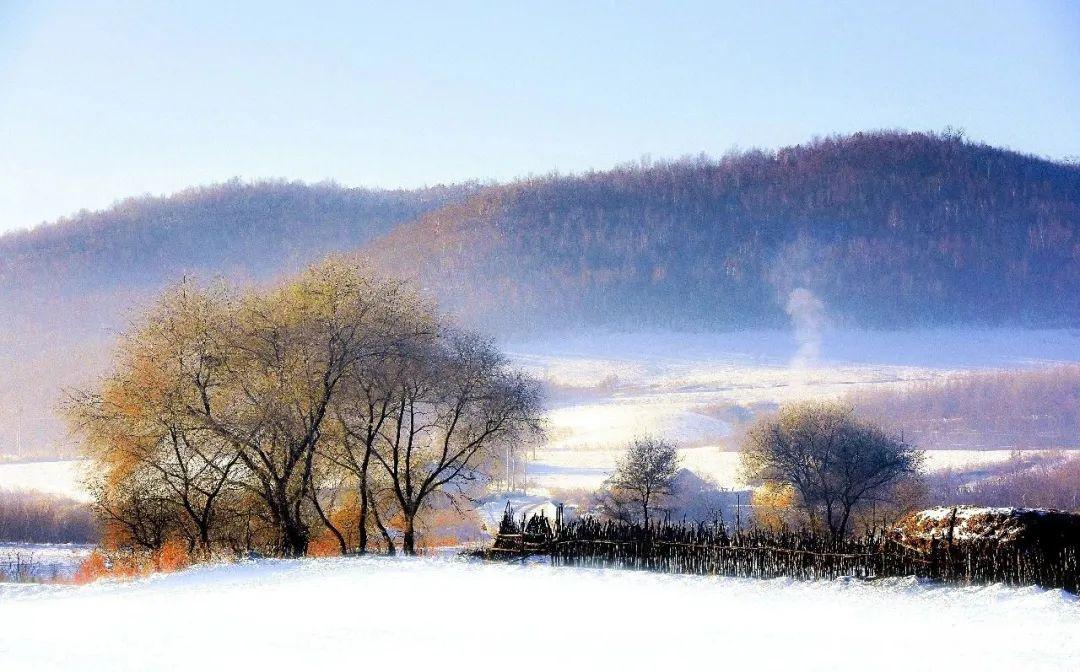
<point x="256" y="229"/>
<point x="886" y="229"/>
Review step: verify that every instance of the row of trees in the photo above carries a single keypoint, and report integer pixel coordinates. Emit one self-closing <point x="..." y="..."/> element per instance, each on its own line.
<point x="1037" y="408"/>
<point x="335" y="402"/>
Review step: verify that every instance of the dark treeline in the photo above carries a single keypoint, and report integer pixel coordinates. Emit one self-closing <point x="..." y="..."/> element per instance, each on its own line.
<point x="35" y="517"/>
<point x="888" y="229"/>
<point x="1039" y="481"/>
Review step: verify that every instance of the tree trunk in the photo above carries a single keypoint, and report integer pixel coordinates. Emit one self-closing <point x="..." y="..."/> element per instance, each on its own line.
<point x="390" y="548"/>
<point x="204" y="542"/>
<point x="294" y="542"/>
<point x="842" y="530"/>
<point x="361" y="531"/>
<point x="329" y="524"/>
<point x="408" y="542"/>
<point x="294" y="534"/>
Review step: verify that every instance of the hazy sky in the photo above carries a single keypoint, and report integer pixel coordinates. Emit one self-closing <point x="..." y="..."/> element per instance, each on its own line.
<point x="101" y="100"/>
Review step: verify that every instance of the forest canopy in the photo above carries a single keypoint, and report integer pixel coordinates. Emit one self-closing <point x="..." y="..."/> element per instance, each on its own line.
<point x="888" y="230"/>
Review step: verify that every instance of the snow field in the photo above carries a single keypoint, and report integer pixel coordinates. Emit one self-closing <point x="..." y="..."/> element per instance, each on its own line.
<point x="458" y="615"/>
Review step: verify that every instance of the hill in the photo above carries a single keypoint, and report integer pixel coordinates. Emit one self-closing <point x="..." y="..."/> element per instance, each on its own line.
<point x="886" y="229"/>
<point x="67" y="288"/>
<point x="247" y="229"/>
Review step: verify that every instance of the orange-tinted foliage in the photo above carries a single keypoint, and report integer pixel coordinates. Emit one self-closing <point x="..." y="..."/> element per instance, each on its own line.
<point x="91" y="569"/>
<point x="128" y="567"/>
<point x="325" y="545"/>
<point x="444" y="528"/>
<point x="171" y="557"/>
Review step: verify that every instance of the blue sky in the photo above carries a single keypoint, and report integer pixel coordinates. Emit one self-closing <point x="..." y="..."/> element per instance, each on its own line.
<point x="102" y="100"/>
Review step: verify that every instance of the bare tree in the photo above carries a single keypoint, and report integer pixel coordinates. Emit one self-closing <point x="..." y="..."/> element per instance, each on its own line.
<point x="367" y="400"/>
<point x="832" y="460"/>
<point x="646" y="473"/>
<point x="154" y="459"/>
<point x="264" y="413"/>
<point x="454" y="401"/>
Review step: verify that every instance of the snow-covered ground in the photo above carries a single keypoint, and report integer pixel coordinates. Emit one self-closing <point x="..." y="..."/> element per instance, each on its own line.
<point x="608" y="387"/>
<point x="385" y="613"/>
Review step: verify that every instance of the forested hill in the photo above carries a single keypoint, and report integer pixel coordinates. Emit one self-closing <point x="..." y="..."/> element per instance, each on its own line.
<point x="249" y="229"/>
<point x="887" y="229"/>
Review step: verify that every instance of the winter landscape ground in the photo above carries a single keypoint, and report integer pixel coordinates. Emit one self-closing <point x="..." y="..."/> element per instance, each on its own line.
<point x="606" y="388"/>
<point x="458" y="615"/>
<point x="582" y="336"/>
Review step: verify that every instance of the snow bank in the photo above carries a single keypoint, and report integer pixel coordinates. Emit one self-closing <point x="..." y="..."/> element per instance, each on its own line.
<point x="454" y="615"/>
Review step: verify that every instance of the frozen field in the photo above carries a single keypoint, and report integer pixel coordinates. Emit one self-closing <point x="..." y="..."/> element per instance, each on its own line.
<point x="41" y="561"/>
<point x="606" y="388"/>
<point x="588" y="467"/>
<point x="454" y="615"/>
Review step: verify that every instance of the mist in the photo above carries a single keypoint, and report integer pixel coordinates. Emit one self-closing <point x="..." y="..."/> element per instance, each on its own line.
<point x="807" y="313"/>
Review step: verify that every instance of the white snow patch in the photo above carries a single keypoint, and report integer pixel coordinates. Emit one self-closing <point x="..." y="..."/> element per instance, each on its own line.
<point x="456" y="615"/>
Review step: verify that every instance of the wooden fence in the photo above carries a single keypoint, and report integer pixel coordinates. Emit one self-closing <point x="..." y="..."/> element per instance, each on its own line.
<point x="712" y="549"/>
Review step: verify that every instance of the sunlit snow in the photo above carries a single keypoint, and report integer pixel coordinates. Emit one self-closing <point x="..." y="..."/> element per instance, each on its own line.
<point x="605" y="388"/>
<point x="381" y="613"/>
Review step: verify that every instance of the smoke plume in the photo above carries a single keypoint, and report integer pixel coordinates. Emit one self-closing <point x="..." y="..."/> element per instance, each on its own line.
<point x="807" y="314"/>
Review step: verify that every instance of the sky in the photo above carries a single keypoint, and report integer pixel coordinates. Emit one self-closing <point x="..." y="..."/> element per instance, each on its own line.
<point x="104" y="100"/>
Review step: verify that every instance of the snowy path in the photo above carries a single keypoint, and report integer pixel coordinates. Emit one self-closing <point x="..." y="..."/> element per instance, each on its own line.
<point x="449" y="614"/>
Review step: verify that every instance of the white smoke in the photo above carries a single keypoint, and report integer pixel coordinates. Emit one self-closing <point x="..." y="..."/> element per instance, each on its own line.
<point x="807" y="314"/>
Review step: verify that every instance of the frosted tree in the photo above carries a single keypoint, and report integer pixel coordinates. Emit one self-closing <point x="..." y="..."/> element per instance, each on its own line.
<point x="833" y="460"/>
<point x="646" y="473"/>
